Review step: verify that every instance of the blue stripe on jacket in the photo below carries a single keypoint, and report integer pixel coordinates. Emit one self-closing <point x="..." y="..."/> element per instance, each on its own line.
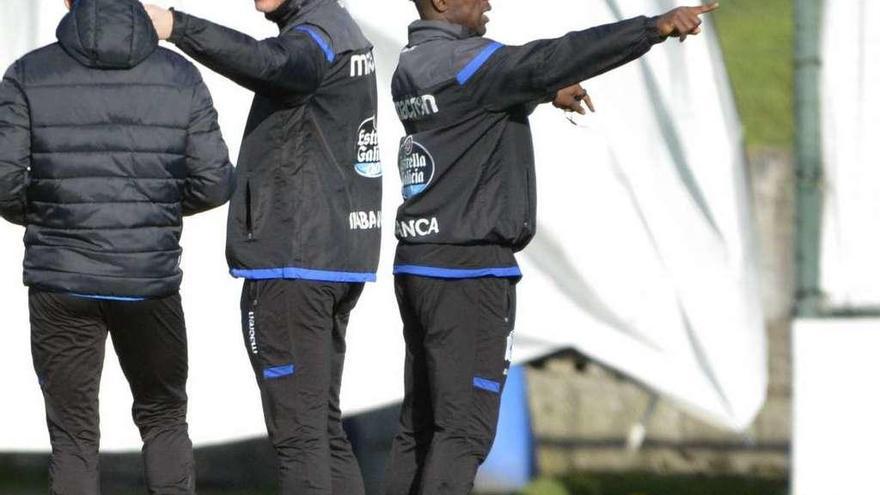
<point x="457" y="273"/>
<point x="474" y="65"/>
<point x="291" y="272"/>
<point x="325" y="47"/>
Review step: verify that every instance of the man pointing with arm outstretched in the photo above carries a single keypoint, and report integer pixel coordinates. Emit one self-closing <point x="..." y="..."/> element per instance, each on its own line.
<point x="468" y="174"/>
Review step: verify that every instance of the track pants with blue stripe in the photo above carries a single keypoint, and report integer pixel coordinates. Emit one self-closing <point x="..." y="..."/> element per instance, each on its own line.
<point x="294" y="334"/>
<point x="457" y="336"/>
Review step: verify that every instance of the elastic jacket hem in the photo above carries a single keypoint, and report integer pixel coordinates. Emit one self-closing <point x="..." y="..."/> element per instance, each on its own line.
<point x="457" y="273"/>
<point x="290" y="272"/>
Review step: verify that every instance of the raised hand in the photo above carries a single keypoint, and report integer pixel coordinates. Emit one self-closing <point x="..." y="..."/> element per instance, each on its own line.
<point x="163" y="20"/>
<point x="683" y="21"/>
<point x="570" y="99"/>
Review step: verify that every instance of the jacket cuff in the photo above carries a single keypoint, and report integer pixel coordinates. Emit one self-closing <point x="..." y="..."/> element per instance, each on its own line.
<point x="651" y="31"/>
<point x="178" y="31"/>
<point x="549" y="96"/>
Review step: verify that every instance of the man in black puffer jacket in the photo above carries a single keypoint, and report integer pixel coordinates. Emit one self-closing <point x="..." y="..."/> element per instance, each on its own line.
<point x="106" y="142"/>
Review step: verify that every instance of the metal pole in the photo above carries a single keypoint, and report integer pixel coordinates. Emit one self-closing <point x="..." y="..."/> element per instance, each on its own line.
<point x="808" y="157"/>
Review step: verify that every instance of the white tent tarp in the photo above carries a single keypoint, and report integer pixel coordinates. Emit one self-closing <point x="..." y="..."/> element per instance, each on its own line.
<point x="644" y="260"/>
<point x="850" y="127"/>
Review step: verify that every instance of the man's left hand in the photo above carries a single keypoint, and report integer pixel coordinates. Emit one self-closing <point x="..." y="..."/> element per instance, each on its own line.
<point x="570" y="99"/>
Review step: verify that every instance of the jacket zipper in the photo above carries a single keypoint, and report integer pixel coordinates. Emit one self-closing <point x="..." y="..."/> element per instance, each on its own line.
<point x="527" y="218"/>
<point x="248" y="219"/>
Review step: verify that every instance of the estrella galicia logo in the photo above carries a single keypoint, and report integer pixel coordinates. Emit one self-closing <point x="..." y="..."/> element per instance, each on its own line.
<point x="416" y="167"/>
<point x="368" y="163"/>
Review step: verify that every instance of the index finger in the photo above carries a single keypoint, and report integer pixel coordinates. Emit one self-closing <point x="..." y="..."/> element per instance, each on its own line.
<point x="589" y="103"/>
<point x="705" y="9"/>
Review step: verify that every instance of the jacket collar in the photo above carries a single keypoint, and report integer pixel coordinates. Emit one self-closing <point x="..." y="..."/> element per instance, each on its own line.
<point x="291" y="10"/>
<point x="423" y="31"/>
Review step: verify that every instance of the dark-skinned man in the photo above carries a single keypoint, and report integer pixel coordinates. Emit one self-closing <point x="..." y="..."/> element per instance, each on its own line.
<point x="467" y="168"/>
<point x="304" y="222"/>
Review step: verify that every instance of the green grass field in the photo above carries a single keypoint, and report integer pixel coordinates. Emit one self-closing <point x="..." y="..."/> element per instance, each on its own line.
<point x="757" y="38"/>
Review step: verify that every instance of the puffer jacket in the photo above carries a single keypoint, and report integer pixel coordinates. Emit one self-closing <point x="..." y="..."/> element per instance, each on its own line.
<point x="309" y="194"/>
<point x="106" y="142"/>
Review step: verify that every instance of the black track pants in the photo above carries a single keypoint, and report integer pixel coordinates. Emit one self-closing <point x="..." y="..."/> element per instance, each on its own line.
<point x="68" y="336"/>
<point x="457" y="357"/>
<point x="294" y="333"/>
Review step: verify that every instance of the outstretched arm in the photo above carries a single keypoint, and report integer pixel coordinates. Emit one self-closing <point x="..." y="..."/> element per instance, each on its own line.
<point x="291" y="63"/>
<point x="537" y="71"/>
<point x="15" y="148"/>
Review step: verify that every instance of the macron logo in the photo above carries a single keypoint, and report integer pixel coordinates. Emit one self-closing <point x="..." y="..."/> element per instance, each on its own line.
<point x="252" y="332"/>
<point x="362" y="65"/>
<point x="417" y="108"/>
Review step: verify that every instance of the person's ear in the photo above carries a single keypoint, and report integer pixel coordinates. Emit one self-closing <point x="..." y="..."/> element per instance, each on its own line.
<point x="68" y="4"/>
<point x="440" y="5"/>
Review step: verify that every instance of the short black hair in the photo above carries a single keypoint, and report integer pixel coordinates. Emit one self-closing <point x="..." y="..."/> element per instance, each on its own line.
<point x="420" y="5"/>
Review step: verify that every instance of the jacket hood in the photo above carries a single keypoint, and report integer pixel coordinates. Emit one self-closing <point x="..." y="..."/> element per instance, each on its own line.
<point x="290" y="10"/>
<point x="108" y="34"/>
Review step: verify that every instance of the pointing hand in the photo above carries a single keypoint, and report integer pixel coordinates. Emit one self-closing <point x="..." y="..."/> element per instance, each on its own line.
<point x="683" y="21"/>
